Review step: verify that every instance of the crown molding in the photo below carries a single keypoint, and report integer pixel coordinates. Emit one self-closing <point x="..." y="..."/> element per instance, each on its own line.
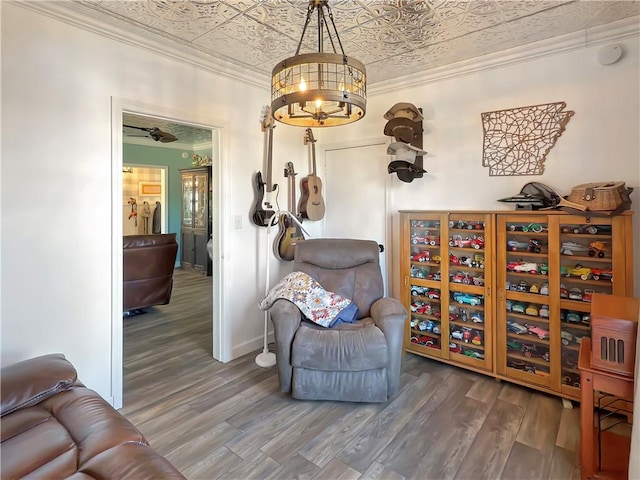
<point x="614" y="31"/>
<point x="74" y="13"/>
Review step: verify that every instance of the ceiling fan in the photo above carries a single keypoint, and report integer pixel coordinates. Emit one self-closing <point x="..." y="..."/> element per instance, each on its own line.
<point x="155" y="133"/>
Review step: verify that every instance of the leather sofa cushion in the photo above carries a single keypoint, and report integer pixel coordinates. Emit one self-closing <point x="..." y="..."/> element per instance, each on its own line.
<point x="53" y="427"/>
<point x="349" y="347"/>
<point x="54" y="437"/>
<point x="31" y="381"/>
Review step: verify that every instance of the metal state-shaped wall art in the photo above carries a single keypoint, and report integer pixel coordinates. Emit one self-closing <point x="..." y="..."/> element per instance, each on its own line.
<point x="517" y="140"/>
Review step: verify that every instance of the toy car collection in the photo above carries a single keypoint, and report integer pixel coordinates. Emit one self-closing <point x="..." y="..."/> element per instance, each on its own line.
<point x="532" y="309"/>
<point x="572" y="379"/>
<point x="544" y="311"/>
<point x="598" y="249"/>
<point x="573" y="248"/>
<point x="417" y="290"/>
<point x="605" y="273"/>
<point x="474" y="354"/>
<point x="423" y="256"/>
<point x="539" y="331"/>
<point x="434" y="294"/>
<point x="518" y="307"/>
<point x="579" y="271"/>
<point x="575" y="294"/>
<point x="513" y="345"/>
<point x="473" y="242"/>
<point x="467" y="298"/>
<point x="524" y="267"/>
<point x="531" y="350"/>
<point x="531" y="227"/>
<point x="587" y="296"/>
<point x="515" y="327"/>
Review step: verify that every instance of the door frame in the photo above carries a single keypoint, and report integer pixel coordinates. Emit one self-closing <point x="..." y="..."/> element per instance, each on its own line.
<point x="119" y="106"/>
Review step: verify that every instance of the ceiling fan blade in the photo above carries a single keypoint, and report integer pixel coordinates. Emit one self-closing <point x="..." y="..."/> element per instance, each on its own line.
<point x="155" y="133"/>
<point x="162" y="137"/>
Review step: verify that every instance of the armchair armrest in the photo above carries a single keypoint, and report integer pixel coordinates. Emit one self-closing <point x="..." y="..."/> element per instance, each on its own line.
<point x="390" y="316"/>
<point x="29" y="382"/>
<point x="286" y="318"/>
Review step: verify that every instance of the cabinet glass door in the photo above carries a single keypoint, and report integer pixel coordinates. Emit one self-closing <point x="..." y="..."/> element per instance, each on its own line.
<point x="424" y="282"/>
<point x="469" y="276"/>
<point x="187" y="201"/>
<point x="200" y="198"/>
<point x="586" y="267"/>
<point x="525" y="319"/>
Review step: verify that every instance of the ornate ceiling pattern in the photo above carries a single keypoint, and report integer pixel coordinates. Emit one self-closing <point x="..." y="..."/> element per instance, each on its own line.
<point x="391" y="37"/>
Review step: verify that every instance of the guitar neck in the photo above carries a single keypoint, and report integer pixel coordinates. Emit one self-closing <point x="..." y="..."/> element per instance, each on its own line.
<point x="292" y="194"/>
<point x="269" y="182"/>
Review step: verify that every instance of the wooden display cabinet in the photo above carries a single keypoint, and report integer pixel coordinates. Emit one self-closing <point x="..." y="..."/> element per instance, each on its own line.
<point x="556" y="262"/>
<point x="447" y="286"/>
<point x="195" y="224"/>
<point x="532" y="292"/>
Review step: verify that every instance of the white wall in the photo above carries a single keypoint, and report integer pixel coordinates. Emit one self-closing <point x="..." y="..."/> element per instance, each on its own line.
<point x="601" y="141"/>
<point x="57" y="83"/>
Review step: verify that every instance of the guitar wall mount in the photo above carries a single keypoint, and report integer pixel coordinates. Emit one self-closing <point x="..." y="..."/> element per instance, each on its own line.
<point x="405" y="126"/>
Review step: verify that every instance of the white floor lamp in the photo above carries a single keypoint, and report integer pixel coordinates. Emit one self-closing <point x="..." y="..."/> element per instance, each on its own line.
<point x="267" y="359"/>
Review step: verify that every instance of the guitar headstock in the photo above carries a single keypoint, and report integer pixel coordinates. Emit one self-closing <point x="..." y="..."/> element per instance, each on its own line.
<point x="289" y="171"/>
<point x="266" y="118"/>
<point x="308" y="136"/>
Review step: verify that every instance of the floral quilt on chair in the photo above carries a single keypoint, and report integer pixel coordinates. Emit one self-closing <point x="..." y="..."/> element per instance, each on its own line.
<point x="324" y="308"/>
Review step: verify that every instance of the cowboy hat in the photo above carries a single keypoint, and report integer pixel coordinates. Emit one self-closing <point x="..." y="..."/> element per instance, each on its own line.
<point x="406" y="171"/>
<point x="402" y="129"/>
<point x="404" y="110"/>
<point x="404" y="151"/>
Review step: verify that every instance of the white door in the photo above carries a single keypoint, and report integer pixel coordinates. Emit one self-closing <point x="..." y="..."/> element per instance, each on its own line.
<point x="355" y="180"/>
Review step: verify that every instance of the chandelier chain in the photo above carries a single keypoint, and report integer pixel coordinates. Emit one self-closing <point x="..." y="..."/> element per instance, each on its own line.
<point x="335" y="30"/>
<point x="310" y="9"/>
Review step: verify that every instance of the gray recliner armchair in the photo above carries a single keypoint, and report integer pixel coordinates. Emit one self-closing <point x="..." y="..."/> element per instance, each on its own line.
<point x="353" y="362"/>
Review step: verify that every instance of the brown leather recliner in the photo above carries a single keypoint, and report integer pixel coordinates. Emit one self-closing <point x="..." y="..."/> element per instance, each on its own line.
<point x="149" y="261"/>
<point x="53" y="428"/>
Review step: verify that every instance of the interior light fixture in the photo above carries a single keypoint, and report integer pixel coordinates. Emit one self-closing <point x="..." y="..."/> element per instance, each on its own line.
<point x="319" y="89"/>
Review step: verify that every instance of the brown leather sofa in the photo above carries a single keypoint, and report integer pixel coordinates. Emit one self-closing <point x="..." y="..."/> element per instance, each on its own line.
<point x="54" y="427"/>
<point x="148" y="266"/>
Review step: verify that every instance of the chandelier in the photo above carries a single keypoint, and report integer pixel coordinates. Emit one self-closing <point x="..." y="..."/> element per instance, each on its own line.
<point x="319" y="89"/>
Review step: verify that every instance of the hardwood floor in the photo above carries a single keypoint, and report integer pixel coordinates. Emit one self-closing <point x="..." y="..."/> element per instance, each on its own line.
<point x="229" y="421"/>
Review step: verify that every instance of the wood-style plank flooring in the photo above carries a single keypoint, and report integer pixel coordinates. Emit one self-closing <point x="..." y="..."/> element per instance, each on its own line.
<point x="229" y="421"/>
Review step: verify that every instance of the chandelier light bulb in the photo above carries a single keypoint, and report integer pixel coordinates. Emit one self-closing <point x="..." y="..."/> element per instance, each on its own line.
<point x="318" y="103"/>
<point x="303" y="84"/>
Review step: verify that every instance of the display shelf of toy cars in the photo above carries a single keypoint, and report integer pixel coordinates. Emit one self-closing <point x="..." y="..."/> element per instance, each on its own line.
<point x="602" y="244"/>
<point x="524" y="259"/>
<point x="457" y="257"/>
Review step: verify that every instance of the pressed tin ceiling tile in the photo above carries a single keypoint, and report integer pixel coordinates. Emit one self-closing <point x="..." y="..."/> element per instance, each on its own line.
<point x="389" y="36"/>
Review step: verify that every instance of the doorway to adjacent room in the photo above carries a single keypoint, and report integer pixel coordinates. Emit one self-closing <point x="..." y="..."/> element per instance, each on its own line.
<point x="167" y="328"/>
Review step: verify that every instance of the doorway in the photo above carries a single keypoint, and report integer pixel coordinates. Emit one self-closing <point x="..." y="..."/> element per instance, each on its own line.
<point x="360" y="166"/>
<point x="144" y="188"/>
<point x="184" y="120"/>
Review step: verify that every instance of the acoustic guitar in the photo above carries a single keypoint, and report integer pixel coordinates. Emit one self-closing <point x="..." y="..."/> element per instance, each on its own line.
<point x="289" y="232"/>
<point x="266" y="192"/>
<point x="311" y="204"/>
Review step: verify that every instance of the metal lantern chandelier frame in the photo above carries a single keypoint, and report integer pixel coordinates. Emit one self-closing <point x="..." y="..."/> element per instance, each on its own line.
<point x="319" y="89"/>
